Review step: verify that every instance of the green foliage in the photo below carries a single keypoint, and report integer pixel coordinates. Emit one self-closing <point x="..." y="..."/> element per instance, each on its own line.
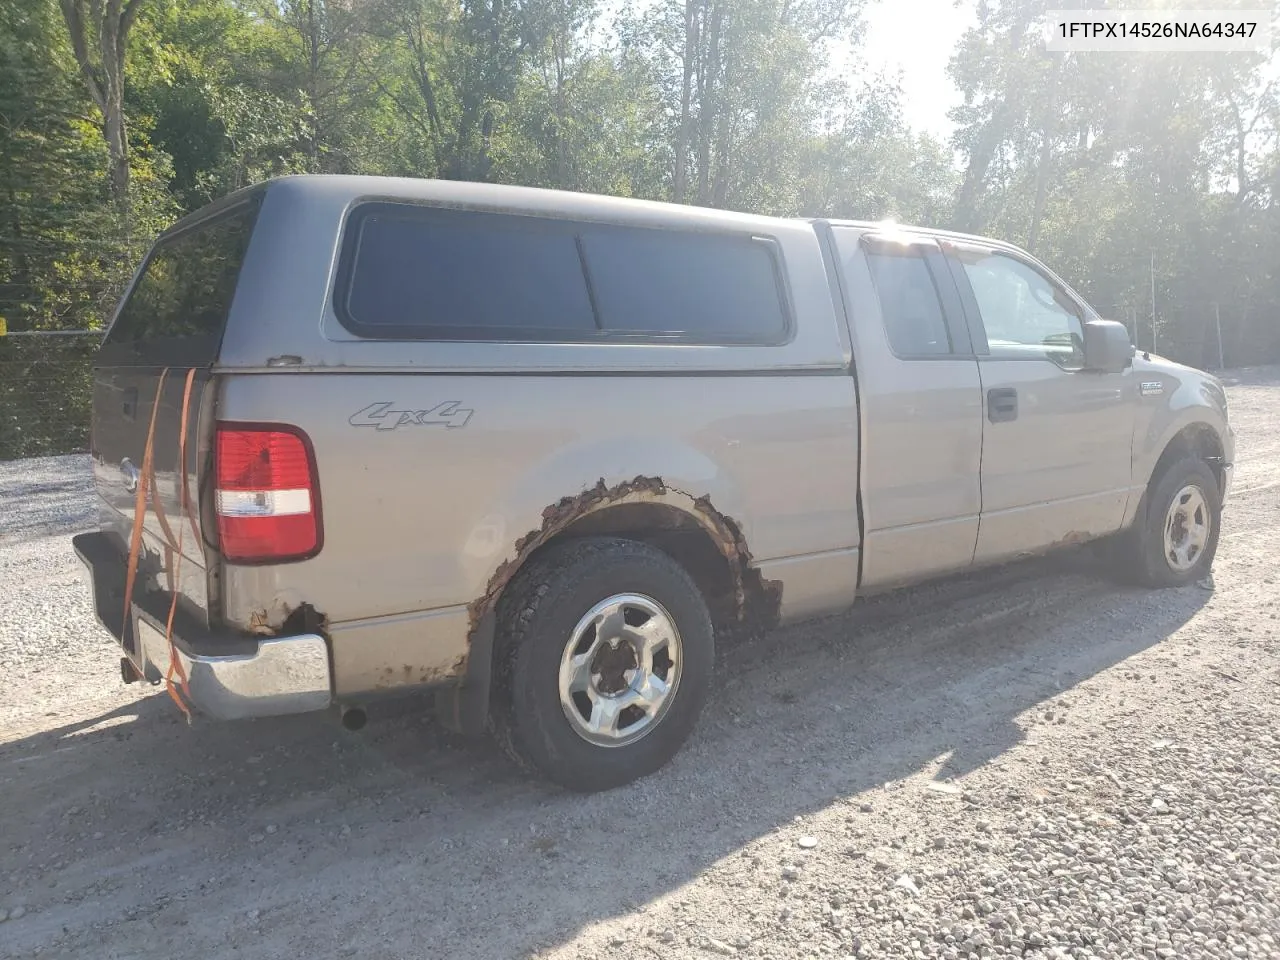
<point x="868" y="165"/>
<point x="63" y="252"/>
<point x="45" y="392"/>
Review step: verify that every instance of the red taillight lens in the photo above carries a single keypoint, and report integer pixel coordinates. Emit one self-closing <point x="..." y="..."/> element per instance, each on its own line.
<point x="267" y="497"/>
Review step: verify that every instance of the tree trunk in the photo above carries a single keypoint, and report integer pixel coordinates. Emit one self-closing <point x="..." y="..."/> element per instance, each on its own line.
<point x="562" y="159"/>
<point x="980" y="157"/>
<point x="312" y="44"/>
<point x="708" y="100"/>
<point x="422" y="77"/>
<point x="113" y="93"/>
<point x="1044" y="166"/>
<point x="720" y="183"/>
<point x="485" y="161"/>
<point x="680" y="173"/>
<point x="1042" y="185"/>
<point x="104" y="78"/>
<point x="984" y="151"/>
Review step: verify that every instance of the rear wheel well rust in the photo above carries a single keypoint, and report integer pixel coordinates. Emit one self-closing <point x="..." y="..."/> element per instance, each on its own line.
<point x="708" y="544"/>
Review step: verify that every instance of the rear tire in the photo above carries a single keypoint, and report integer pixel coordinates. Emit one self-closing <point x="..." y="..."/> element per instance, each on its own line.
<point x="603" y="661"/>
<point x="1174" y="538"/>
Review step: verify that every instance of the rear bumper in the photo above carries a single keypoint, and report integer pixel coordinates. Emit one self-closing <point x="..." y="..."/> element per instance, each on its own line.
<point x="229" y="677"/>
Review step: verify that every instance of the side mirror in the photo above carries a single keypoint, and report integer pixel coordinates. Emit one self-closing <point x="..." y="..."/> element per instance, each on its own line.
<point x="1106" y="346"/>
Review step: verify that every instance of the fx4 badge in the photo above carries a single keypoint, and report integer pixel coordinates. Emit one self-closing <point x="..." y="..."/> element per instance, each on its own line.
<point x="383" y="416"/>
<point x="1152" y="388"/>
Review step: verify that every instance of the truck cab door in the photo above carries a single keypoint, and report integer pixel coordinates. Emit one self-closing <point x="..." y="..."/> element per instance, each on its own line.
<point x="1057" y="439"/>
<point x="920" y="403"/>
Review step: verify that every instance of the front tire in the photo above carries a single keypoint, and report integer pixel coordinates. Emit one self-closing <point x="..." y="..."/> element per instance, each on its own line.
<point x="604" y="657"/>
<point x="1175" y="537"/>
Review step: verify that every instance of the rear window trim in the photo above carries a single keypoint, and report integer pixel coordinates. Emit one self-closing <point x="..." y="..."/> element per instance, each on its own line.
<point x="348" y="250"/>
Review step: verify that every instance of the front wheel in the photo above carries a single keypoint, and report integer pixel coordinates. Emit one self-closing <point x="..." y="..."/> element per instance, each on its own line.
<point x="604" y="658"/>
<point x="1175" y="536"/>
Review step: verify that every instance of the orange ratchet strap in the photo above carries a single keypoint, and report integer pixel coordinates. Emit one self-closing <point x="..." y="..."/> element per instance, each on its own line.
<point x="147" y="490"/>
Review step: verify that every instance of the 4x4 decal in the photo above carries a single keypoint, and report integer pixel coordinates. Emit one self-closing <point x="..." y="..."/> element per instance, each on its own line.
<point x="383" y="416"/>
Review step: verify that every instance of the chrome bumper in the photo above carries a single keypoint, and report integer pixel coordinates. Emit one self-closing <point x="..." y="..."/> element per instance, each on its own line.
<point x="228" y="677"/>
<point x="284" y="675"/>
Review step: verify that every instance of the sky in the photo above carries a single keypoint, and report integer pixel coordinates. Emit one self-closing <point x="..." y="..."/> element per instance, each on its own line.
<point x="917" y="37"/>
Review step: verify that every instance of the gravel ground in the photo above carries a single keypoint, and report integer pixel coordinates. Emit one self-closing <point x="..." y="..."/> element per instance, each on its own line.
<point x="1024" y="762"/>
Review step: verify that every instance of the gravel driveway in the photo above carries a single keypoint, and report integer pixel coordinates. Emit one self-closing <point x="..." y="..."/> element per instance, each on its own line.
<point x="1024" y="762"/>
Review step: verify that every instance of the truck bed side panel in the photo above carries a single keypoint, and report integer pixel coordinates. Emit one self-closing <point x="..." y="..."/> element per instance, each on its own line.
<point x="418" y="516"/>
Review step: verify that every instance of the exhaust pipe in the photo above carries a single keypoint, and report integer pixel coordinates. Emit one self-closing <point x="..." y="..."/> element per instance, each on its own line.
<point x="353" y="718"/>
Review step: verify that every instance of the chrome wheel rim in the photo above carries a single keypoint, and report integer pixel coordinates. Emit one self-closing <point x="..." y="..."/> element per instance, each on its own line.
<point x="620" y="670"/>
<point x="1186" y="529"/>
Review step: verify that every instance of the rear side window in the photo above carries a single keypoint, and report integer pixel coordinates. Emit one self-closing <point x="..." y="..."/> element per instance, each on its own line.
<point x="701" y="286"/>
<point x="457" y="276"/>
<point x="909" y="304"/>
<point x="177" y="310"/>
<point x="424" y="273"/>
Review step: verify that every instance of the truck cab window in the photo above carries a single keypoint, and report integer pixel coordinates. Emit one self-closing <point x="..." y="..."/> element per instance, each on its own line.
<point x="1024" y="314"/>
<point x="909" y="304"/>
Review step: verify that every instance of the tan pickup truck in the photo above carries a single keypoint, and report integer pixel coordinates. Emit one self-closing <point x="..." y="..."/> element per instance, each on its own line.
<point x="532" y="451"/>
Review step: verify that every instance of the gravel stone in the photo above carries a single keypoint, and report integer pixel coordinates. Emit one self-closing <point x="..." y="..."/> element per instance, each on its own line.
<point x="904" y="882"/>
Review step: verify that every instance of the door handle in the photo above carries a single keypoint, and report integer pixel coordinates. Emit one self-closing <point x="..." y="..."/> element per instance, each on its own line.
<point x="1002" y="404"/>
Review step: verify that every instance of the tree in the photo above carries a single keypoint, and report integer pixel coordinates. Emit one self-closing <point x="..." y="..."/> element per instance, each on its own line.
<point x="60" y="247"/>
<point x="217" y="85"/>
<point x="1106" y="162"/>
<point x="99" y="31"/>
<point x="866" y="164"/>
<point x="740" y="79"/>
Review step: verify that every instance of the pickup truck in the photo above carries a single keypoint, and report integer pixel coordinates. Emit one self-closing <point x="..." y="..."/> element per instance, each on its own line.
<point x="531" y="452"/>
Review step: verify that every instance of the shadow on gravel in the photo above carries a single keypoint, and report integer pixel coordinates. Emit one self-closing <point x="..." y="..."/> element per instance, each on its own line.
<point x="403" y="835"/>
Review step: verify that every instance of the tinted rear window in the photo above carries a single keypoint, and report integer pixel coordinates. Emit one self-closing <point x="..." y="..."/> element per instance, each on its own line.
<point x="178" y="308"/>
<point x="703" y="286"/>
<point x="423" y="273"/>
<point x="909" y="304"/>
<point x="453" y="274"/>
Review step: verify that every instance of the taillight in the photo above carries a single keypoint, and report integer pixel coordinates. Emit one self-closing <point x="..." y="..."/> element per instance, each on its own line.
<point x="267" y="497"/>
